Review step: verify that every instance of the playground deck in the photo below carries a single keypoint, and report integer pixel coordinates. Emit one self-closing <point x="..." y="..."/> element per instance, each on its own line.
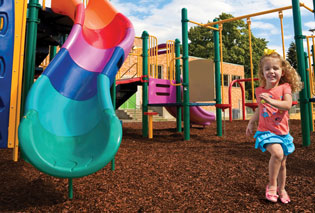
<point x="206" y="174"/>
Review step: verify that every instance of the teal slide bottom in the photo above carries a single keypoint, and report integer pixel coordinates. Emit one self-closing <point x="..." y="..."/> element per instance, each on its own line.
<point x="72" y="151"/>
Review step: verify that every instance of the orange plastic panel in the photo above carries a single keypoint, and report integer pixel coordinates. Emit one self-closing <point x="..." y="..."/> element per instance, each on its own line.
<point x="98" y="15"/>
<point x="65" y="7"/>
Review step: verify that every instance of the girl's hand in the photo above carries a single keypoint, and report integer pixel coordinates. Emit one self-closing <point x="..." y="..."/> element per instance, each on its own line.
<point x="250" y="128"/>
<point x="265" y="98"/>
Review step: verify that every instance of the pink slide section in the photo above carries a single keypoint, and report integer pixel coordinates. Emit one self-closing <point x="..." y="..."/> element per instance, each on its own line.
<point x="162" y="92"/>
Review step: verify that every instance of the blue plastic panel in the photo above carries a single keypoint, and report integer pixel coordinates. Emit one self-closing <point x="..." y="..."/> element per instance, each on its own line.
<point x="6" y="59"/>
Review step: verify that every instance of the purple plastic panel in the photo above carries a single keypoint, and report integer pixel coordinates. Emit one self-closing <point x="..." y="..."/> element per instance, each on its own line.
<point x="161" y="91"/>
<point x="83" y="54"/>
<point x="197" y="115"/>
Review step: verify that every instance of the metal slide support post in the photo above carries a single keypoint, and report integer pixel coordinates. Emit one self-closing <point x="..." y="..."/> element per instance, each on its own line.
<point x="217" y="78"/>
<point x="305" y="124"/>
<point x="30" y="49"/>
<point x="52" y="52"/>
<point x="145" y="37"/>
<point x="314" y="7"/>
<point x="178" y="88"/>
<point x="70" y="188"/>
<point x="185" y="75"/>
<point x="113" y="95"/>
<point x="308" y="92"/>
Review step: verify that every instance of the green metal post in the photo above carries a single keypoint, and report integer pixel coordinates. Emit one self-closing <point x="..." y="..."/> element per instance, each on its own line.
<point x="217" y="78"/>
<point x="113" y="164"/>
<point x="113" y="96"/>
<point x="113" y="93"/>
<point x="145" y="37"/>
<point x="178" y="88"/>
<point x="185" y="75"/>
<point x="314" y="7"/>
<point x="308" y="92"/>
<point x="52" y="52"/>
<point x="301" y="69"/>
<point x="30" y="49"/>
<point x="70" y="188"/>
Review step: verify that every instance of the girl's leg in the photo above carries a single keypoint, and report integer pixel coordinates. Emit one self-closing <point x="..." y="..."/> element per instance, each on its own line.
<point x="282" y="175"/>
<point x="274" y="166"/>
<point x="284" y="197"/>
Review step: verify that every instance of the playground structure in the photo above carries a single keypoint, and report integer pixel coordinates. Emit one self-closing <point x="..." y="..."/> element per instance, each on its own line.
<point x="216" y="26"/>
<point x="60" y="88"/>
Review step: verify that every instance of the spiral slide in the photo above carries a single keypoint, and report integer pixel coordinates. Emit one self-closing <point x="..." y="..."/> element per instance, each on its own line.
<point x="70" y="129"/>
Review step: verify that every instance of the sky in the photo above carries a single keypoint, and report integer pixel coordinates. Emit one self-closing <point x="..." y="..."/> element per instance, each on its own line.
<point x="162" y="18"/>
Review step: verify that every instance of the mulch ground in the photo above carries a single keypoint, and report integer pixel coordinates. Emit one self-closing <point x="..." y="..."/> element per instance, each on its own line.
<point x="207" y="173"/>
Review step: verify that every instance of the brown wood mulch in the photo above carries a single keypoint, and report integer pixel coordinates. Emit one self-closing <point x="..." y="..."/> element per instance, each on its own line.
<point x="206" y="174"/>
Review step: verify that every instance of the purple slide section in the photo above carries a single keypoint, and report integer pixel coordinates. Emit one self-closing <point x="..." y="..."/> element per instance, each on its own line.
<point x="161" y="91"/>
<point x="197" y="115"/>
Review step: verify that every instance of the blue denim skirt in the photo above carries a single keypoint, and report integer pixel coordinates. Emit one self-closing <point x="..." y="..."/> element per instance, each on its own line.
<point x="265" y="138"/>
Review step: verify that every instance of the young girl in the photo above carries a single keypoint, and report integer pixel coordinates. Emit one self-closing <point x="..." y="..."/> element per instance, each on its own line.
<point x="277" y="80"/>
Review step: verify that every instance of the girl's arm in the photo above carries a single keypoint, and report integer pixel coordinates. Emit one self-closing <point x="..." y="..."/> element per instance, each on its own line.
<point x="251" y="124"/>
<point x="284" y="104"/>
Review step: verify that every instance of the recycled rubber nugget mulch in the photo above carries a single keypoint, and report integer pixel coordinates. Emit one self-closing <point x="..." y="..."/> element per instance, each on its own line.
<point x="206" y="173"/>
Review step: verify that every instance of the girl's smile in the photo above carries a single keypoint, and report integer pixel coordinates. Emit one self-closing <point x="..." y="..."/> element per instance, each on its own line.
<point x="272" y="71"/>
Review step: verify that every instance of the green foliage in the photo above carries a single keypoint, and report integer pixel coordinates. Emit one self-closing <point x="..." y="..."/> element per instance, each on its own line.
<point x="235" y="41"/>
<point x="291" y="55"/>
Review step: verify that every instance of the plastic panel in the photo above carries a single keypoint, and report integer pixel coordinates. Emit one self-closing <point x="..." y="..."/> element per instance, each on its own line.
<point x="2" y="68"/>
<point x="3" y="23"/>
<point x="6" y="59"/>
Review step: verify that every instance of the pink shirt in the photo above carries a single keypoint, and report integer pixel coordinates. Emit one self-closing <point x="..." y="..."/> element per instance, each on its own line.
<point x="271" y="118"/>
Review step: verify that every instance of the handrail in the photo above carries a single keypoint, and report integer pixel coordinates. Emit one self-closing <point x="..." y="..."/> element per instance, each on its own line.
<point x="239" y="81"/>
<point x="152" y="55"/>
<point x="134" y="64"/>
<point x="310" y="67"/>
<point x="172" y="73"/>
<point x="170" y="55"/>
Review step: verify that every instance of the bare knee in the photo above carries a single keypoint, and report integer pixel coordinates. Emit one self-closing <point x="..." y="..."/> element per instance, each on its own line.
<point x="276" y="152"/>
<point x="278" y="155"/>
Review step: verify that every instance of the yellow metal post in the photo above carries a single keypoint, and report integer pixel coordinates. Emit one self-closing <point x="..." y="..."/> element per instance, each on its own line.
<point x="150" y="122"/>
<point x="251" y="57"/>
<point x="221" y="60"/>
<point x="17" y="74"/>
<point x="150" y="126"/>
<point x="282" y="34"/>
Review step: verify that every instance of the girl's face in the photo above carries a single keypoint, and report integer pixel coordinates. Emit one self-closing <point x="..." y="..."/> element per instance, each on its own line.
<point x="272" y="71"/>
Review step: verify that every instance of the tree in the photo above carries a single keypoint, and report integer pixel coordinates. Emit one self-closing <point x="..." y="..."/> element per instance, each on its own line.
<point x="235" y="41"/>
<point x="291" y="55"/>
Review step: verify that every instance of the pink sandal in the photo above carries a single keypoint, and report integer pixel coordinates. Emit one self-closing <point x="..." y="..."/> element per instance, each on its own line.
<point x="270" y="197"/>
<point x="284" y="197"/>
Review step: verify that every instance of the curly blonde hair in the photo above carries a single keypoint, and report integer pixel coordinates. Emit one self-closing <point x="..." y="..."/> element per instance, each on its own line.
<point x="290" y="74"/>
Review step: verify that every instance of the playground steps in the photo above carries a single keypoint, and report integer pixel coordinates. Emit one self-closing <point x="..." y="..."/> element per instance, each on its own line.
<point x="125" y="90"/>
<point x="136" y="116"/>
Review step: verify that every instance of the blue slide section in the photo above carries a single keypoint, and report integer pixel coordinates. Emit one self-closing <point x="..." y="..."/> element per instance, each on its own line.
<point x="6" y="60"/>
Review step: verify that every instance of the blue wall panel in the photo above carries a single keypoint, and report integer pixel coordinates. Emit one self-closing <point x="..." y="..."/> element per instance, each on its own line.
<point x="6" y="59"/>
